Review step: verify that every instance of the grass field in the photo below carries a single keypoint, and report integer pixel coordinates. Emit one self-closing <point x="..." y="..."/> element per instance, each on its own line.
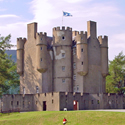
<point x="56" y="117"/>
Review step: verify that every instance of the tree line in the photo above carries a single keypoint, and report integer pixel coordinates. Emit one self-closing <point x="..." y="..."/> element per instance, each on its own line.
<point x="9" y="79"/>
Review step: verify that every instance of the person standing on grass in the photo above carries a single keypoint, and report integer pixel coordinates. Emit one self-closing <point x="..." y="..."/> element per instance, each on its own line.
<point x="64" y="121"/>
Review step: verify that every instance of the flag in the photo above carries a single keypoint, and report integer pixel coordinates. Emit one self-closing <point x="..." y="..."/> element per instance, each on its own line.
<point x="66" y="14"/>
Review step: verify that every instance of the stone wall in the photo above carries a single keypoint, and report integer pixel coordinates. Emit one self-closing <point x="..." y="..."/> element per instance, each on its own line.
<point x="31" y="102"/>
<point x="57" y="101"/>
<point x="86" y="101"/>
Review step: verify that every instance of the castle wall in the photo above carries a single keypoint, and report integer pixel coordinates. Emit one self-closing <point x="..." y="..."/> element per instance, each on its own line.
<point x="62" y="43"/>
<point x="93" y="80"/>
<point x="32" y="79"/>
<point x="57" y="101"/>
<point x="30" y="102"/>
<point x="17" y="102"/>
<point x="86" y="101"/>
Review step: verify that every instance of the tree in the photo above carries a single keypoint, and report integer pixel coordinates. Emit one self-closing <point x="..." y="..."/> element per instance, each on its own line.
<point x="8" y="75"/>
<point x="115" y="82"/>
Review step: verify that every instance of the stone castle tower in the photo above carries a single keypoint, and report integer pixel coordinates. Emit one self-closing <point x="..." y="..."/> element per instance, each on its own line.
<point x="67" y="62"/>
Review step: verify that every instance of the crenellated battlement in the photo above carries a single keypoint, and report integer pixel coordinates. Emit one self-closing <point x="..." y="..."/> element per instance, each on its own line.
<point x="81" y="37"/>
<point x="103" y="41"/>
<point x="41" y="34"/>
<point x="41" y="38"/>
<point x="81" y="33"/>
<point x="63" y="29"/>
<point x="21" y="39"/>
<point x="20" y="43"/>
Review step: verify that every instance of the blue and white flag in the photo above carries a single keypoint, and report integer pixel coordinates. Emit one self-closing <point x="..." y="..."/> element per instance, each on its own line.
<point x="66" y="14"/>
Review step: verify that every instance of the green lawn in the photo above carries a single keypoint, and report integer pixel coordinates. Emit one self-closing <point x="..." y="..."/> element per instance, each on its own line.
<point x="56" y="117"/>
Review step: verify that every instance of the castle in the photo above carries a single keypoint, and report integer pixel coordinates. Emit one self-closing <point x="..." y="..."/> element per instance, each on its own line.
<point x="66" y="71"/>
<point x="67" y="62"/>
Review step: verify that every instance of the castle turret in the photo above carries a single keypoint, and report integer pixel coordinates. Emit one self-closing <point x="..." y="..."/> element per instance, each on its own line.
<point x="82" y="53"/>
<point x="104" y="55"/>
<point x="62" y="44"/>
<point x="20" y="55"/>
<point x="41" y="50"/>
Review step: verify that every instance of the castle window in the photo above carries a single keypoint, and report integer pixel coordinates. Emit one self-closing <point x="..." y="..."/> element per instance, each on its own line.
<point x="74" y="77"/>
<point x="77" y="88"/>
<point x="63" y="55"/>
<point x="41" y="48"/>
<point x="41" y="59"/>
<point x="74" y="65"/>
<point x="52" y="101"/>
<point x="17" y="102"/>
<point x="63" y="38"/>
<point x="92" y="102"/>
<point x="41" y="38"/>
<point x="97" y="101"/>
<point x="63" y="68"/>
<point x="82" y="63"/>
<point x="74" y="51"/>
<point x="24" y="90"/>
<point x="81" y="38"/>
<point x="63" y="81"/>
<point x="11" y="103"/>
<point x="37" y="89"/>
<point x="82" y="50"/>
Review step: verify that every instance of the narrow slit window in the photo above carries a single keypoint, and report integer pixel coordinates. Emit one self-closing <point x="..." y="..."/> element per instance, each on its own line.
<point x="74" y="65"/>
<point x="97" y="101"/>
<point x="41" y="48"/>
<point x="74" y="77"/>
<point x="52" y="101"/>
<point x="63" y="55"/>
<point x="41" y="59"/>
<point x="92" y="101"/>
<point x="11" y="103"/>
<point x="63" y="68"/>
<point x="74" y="51"/>
<point x="37" y="89"/>
<point x="77" y="88"/>
<point x="17" y="102"/>
<point x="82" y="50"/>
<point x="63" y="81"/>
<point x="82" y="63"/>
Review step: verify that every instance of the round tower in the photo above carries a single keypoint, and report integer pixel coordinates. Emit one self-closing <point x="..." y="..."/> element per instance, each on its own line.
<point x="62" y="44"/>
<point x="82" y="53"/>
<point x="20" y="55"/>
<point x="104" y="55"/>
<point x="41" y="50"/>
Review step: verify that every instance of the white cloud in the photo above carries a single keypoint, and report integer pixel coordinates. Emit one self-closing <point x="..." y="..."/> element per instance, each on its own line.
<point x="76" y="1"/>
<point x="48" y="14"/>
<point x="9" y="16"/>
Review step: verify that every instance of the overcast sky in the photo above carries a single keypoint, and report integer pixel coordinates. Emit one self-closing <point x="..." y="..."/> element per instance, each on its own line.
<point x="109" y="15"/>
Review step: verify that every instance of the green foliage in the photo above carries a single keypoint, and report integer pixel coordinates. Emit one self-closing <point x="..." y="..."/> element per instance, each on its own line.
<point x="8" y="75"/>
<point x="115" y="82"/>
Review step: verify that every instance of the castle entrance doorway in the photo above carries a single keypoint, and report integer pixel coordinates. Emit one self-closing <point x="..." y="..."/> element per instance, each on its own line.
<point x="76" y="105"/>
<point x="44" y="105"/>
